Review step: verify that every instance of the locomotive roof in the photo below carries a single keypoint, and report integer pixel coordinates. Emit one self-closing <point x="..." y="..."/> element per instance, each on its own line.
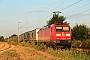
<point x="45" y="27"/>
<point x="61" y="24"/>
<point x="48" y="26"/>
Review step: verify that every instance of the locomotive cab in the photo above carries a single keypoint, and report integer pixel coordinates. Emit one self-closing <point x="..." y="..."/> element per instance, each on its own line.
<point x="61" y="35"/>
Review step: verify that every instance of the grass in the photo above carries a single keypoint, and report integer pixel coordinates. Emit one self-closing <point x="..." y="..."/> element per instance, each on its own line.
<point x="57" y="54"/>
<point x="9" y="55"/>
<point x="69" y="55"/>
<point x="24" y="43"/>
<point x="39" y="47"/>
<point x="19" y="43"/>
<point x="65" y="54"/>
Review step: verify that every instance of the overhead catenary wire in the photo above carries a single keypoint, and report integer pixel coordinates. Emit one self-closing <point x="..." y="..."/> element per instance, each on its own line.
<point x="54" y="8"/>
<point x="63" y="9"/>
<point x="67" y="6"/>
<point x="23" y="25"/>
<point x="59" y="5"/>
<point x="78" y="13"/>
<point x="50" y="11"/>
<point x="71" y="5"/>
<point x="78" y="8"/>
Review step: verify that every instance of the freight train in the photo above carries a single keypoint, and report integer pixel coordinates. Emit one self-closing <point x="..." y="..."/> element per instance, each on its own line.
<point x="56" y="35"/>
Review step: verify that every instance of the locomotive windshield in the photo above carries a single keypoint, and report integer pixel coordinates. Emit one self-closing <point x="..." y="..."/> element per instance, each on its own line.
<point x="62" y="28"/>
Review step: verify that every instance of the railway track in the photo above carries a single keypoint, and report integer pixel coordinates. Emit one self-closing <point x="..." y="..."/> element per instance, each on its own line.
<point x="4" y="46"/>
<point x="82" y="49"/>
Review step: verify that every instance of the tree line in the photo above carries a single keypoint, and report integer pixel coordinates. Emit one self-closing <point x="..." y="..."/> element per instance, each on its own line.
<point x="79" y="31"/>
<point x="2" y="38"/>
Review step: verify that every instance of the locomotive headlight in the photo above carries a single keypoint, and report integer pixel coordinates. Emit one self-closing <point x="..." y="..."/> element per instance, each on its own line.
<point x="58" y="34"/>
<point x="68" y="38"/>
<point x="67" y="34"/>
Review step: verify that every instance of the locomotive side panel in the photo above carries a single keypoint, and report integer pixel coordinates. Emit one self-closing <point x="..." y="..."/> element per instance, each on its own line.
<point x="44" y="35"/>
<point x="40" y="35"/>
<point x="47" y="34"/>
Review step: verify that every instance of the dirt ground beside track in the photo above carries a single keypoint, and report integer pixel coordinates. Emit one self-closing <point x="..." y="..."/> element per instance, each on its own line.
<point x="4" y="47"/>
<point x="8" y="52"/>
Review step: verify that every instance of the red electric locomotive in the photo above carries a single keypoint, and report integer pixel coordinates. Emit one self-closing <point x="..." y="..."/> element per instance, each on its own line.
<point x="57" y="35"/>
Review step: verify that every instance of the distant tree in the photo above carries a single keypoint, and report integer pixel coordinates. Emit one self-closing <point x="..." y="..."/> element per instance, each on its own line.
<point x="80" y="32"/>
<point x="57" y="19"/>
<point x="1" y="38"/>
<point x="12" y="35"/>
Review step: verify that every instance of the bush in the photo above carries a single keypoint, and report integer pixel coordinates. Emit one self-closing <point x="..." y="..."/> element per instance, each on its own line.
<point x="13" y="42"/>
<point x="76" y="43"/>
<point x="79" y="43"/>
<point x="41" y="47"/>
<point x="86" y="44"/>
<point x="19" y="43"/>
<point x="24" y="43"/>
<point x="80" y="32"/>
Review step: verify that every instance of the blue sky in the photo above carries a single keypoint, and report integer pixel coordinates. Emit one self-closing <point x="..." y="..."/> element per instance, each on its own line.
<point x="34" y="13"/>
